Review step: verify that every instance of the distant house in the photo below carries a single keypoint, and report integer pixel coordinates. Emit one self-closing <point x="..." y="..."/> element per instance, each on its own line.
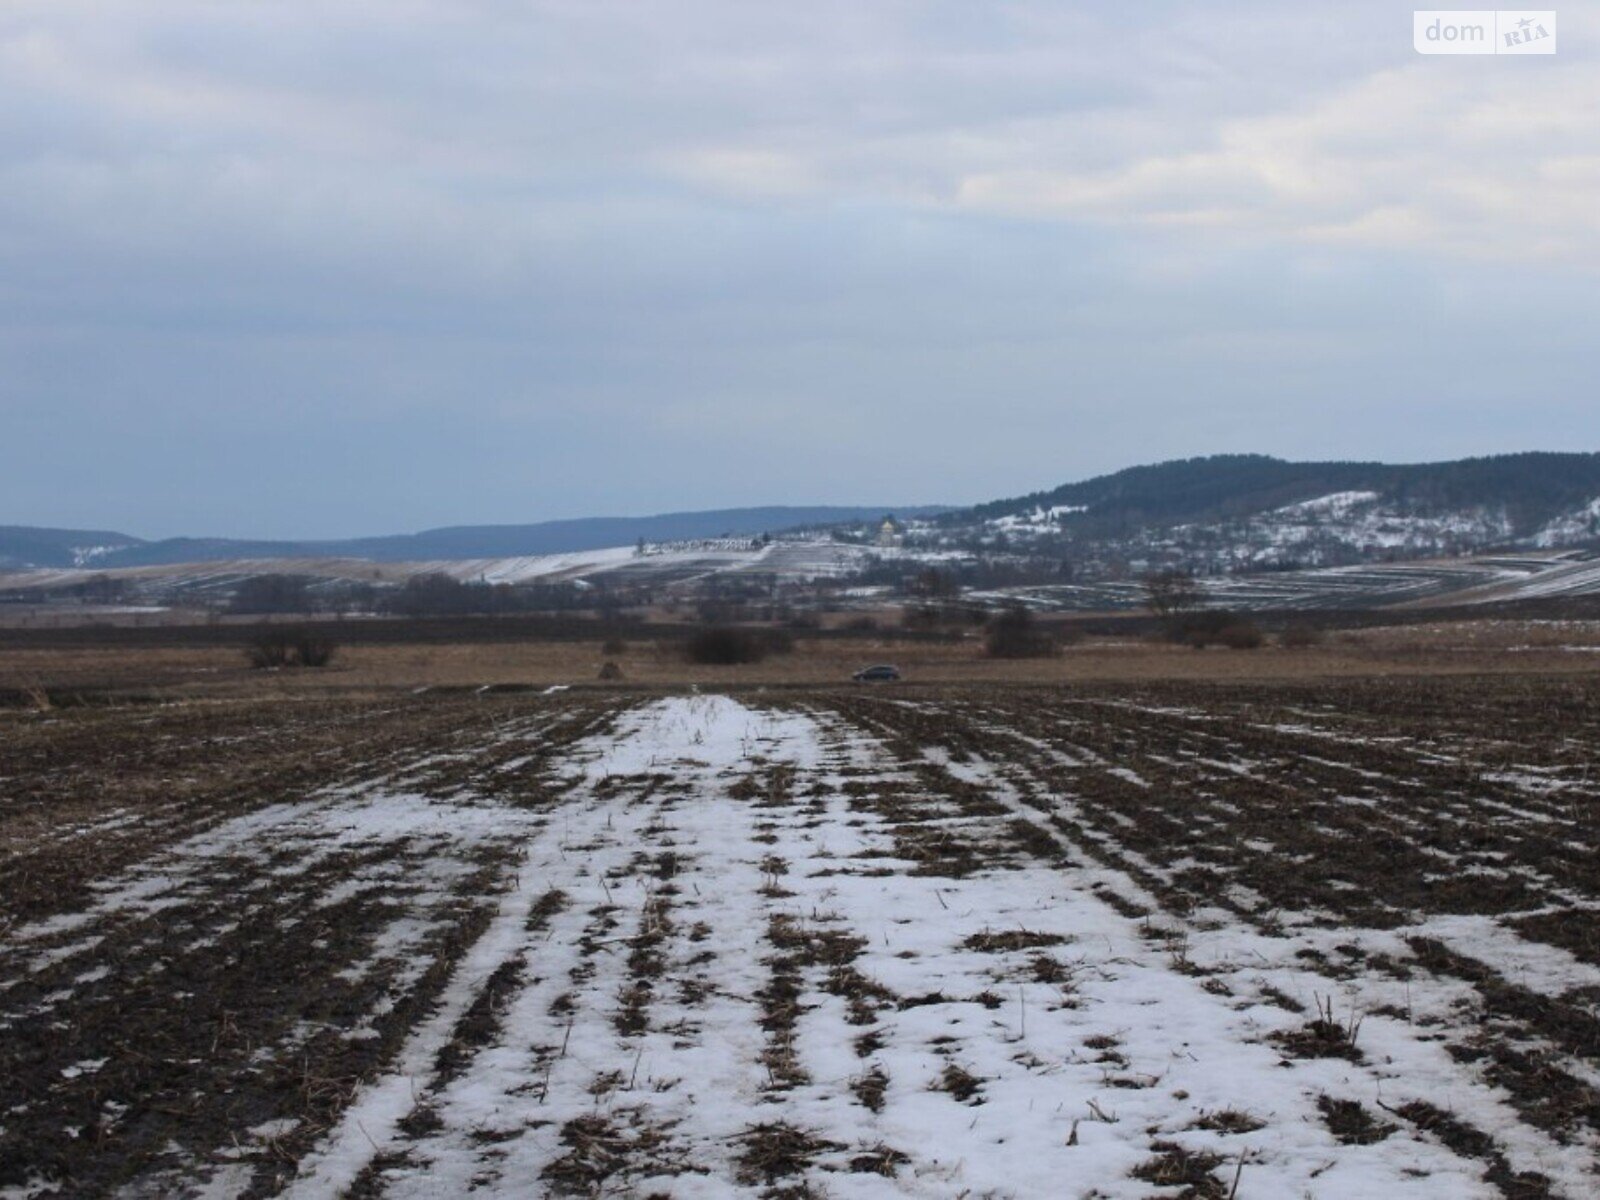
<point x="888" y="532"/>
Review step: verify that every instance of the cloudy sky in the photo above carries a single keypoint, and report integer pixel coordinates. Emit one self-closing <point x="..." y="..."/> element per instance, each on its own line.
<point x="360" y="266"/>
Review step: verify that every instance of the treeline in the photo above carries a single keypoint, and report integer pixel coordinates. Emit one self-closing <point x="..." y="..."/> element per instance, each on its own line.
<point x="431" y="595"/>
<point x="96" y="589"/>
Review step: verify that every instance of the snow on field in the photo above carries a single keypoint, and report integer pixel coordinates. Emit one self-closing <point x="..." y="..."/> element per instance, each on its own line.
<point x="844" y="944"/>
<point x="286" y="842"/>
<point x="1442" y="581"/>
<point x="529" y="568"/>
<point x="717" y="971"/>
<point x="1561" y="578"/>
<point x="794" y="557"/>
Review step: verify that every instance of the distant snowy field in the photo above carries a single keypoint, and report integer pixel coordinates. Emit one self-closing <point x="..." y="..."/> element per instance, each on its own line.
<point x="1482" y="579"/>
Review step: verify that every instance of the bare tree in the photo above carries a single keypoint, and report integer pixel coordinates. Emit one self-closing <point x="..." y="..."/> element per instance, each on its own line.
<point x="1168" y="593"/>
<point x="1013" y="633"/>
<point x="273" y="594"/>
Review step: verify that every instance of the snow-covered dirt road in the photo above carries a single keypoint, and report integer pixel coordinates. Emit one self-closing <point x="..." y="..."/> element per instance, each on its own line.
<point x="718" y="972"/>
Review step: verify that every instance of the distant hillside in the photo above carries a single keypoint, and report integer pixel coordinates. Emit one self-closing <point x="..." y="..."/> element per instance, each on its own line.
<point x="1246" y="511"/>
<point x="1219" y="515"/>
<point x="1534" y="489"/>
<point x="21" y="546"/>
<point x="26" y="546"/>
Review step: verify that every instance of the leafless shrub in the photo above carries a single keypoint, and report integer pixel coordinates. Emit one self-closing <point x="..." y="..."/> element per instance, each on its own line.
<point x="274" y="648"/>
<point x="270" y="650"/>
<point x="313" y="649"/>
<point x="1241" y="635"/>
<point x="1215" y="627"/>
<point x="1300" y="637"/>
<point x="1171" y="592"/>
<point x="273" y="594"/>
<point x="1015" y="634"/>
<point x="725" y="645"/>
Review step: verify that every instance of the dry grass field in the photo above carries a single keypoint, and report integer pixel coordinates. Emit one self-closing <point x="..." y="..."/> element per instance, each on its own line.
<point x="1214" y="924"/>
<point x="193" y="670"/>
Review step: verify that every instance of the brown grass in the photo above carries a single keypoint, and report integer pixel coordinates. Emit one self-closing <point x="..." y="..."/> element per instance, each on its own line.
<point x="1481" y="647"/>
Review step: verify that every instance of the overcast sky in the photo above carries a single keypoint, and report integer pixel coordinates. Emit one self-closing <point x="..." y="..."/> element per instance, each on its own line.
<point x="363" y="266"/>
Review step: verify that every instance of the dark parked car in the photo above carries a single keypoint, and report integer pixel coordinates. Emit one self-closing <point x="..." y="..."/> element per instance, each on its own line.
<point x="875" y="674"/>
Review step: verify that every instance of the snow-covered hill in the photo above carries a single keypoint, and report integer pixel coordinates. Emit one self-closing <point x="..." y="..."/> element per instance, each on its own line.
<point x="1247" y="512"/>
<point x="1257" y="529"/>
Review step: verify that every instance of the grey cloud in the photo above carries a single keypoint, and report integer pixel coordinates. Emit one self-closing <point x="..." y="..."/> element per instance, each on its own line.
<point x="511" y="261"/>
